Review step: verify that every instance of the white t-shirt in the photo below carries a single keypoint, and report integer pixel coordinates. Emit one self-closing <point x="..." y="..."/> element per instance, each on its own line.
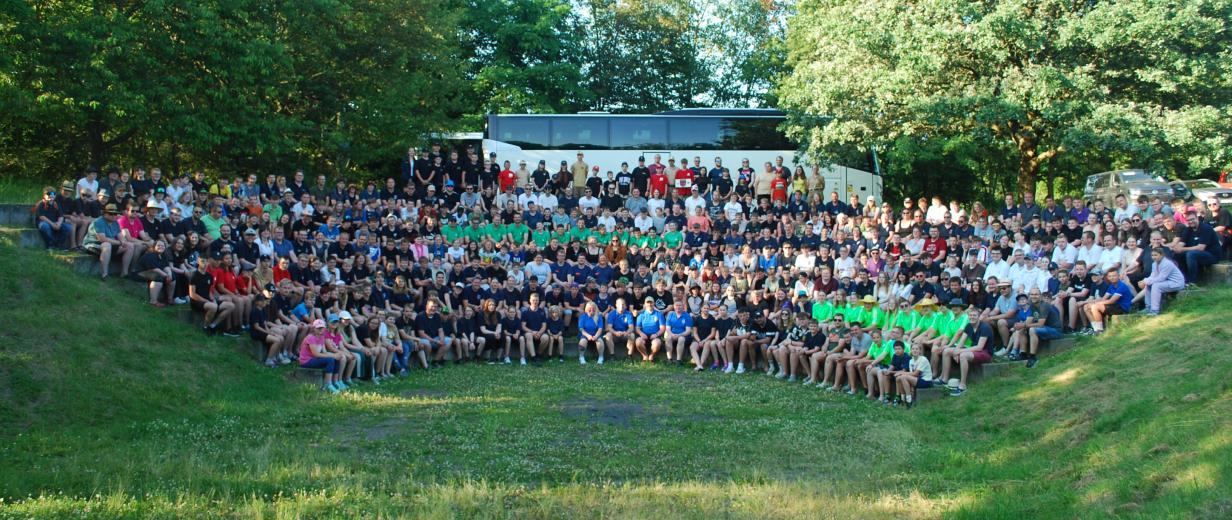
<point x="732" y="208"/>
<point x="86" y="185"/>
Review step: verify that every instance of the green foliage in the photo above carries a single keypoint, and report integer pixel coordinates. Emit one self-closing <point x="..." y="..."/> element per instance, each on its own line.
<point x="1049" y="83"/>
<point x="525" y="56"/>
<point x="645" y="56"/>
<point x="236" y="85"/>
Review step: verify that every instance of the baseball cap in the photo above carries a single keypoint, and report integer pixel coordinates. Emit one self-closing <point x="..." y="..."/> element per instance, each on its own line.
<point x="110" y="209"/>
<point x="333" y="318"/>
<point x="318" y="324"/>
<point x="250" y="231"/>
<point x="152" y="204"/>
<point x="344" y="315"/>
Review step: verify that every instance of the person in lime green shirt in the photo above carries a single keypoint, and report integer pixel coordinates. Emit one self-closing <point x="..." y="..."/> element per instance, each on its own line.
<point x="517" y="230"/>
<point x="474" y="232"/>
<point x="874" y="316"/>
<point x="540" y="236"/>
<point x="452" y="232"/>
<point x="673" y="238"/>
<point x="924" y="328"/>
<point x="822" y="311"/>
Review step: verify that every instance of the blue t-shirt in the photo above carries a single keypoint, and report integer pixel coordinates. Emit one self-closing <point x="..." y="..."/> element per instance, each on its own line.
<point x="1127" y="296"/>
<point x="620" y="321"/>
<point x="679" y="323"/>
<point x="650" y="322"/>
<point x="589" y="325"/>
<point x="534" y="318"/>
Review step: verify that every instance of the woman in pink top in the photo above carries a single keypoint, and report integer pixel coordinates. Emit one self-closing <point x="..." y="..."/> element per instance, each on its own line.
<point x="133" y="232"/>
<point x="313" y="354"/>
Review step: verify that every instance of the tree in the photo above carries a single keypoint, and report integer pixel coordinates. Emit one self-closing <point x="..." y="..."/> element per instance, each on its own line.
<point x="645" y="56"/>
<point x="237" y="84"/>
<point x="525" y="56"/>
<point x="1143" y="82"/>
<point x="748" y="41"/>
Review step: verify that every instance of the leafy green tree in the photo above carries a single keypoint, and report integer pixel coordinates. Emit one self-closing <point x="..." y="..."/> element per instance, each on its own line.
<point x="525" y="56"/>
<point x="1140" y="82"/>
<point x="748" y="40"/>
<point x="646" y="56"/>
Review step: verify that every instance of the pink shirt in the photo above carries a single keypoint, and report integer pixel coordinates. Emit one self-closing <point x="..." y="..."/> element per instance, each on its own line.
<point x="133" y="225"/>
<point x="305" y="351"/>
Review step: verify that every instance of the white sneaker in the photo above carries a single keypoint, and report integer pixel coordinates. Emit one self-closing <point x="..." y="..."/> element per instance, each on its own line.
<point x="808" y="381"/>
<point x="600" y="360"/>
<point x="999" y="353"/>
<point x="523" y="361"/>
<point x="508" y="362"/>
<point x="908" y="398"/>
<point x="780" y="375"/>
<point x="740" y="368"/>
<point x="581" y="360"/>
<point x="728" y="369"/>
<point x="791" y="379"/>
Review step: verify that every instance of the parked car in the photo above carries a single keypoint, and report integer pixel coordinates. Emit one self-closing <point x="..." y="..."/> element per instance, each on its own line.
<point x="1206" y="191"/>
<point x="1130" y="183"/>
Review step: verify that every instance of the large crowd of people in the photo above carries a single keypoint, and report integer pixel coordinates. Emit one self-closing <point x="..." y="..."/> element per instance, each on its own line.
<point x="745" y="270"/>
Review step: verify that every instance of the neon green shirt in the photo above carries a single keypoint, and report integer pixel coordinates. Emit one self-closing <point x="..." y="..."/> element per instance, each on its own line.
<point x="541" y="237"/>
<point x="823" y="311"/>
<point x="673" y="239"/>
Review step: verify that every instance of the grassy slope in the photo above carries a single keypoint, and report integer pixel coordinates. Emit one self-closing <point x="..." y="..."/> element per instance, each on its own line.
<point x="167" y="423"/>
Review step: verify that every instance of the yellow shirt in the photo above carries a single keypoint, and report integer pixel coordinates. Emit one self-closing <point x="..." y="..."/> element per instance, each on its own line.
<point x="579" y="170"/>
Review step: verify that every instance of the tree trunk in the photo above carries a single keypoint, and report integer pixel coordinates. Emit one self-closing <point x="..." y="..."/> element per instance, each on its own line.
<point x="94" y="139"/>
<point x="1028" y="171"/>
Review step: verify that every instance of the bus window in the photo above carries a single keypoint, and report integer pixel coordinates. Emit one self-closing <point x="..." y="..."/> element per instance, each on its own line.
<point x="754" y="134"/>
<point x="634" y="133"/>
<point x="587" y="133"/>
<point x="696" y="133"/>
<point x="527" y="133"/>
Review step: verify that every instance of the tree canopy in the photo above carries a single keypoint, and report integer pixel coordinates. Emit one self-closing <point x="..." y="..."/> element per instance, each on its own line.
<point x="1045" y="83"/>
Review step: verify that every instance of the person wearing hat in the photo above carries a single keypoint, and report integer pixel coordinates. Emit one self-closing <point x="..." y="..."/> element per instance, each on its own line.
<point x="56" y="230"/>
<point x="74" y="212"/>
<point x="650" y="326"/>
<point x="335" y="344"/>
<point x="314" y="354"/>
<point x="975" y="348"/>
<point x="103" y="239"/>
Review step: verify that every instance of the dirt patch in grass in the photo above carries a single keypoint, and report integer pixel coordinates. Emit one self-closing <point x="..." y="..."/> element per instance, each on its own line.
<point x="374" y="432"/>
<point x="422" y="393"/>
<point x="611" y="412"/>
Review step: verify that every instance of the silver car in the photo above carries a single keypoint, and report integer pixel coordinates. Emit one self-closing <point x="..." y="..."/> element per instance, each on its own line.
<point x="1207" y="191"/>
<point x="1130" y="183"/>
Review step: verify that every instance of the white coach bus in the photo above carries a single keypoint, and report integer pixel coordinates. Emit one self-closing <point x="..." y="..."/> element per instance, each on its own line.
<point x="610" y="139"/>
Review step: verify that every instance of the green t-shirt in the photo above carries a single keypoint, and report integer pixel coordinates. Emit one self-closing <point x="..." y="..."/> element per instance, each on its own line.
<point x="474" y="233"/>
<point x="541" y="237"/>
<point x="495" y="232"/>
<point x="673" y="239"/>
<point x="452" y="233"/>
<point x="876" y="318"/>
<point x="212" y="225"/>
<point x="603" y="238"/>
<point x="518" y="231"/>
<point x="823" y="311"/>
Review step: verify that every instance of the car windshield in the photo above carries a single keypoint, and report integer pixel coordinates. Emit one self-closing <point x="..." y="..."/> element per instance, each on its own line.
<point x="1135" y="176"/>
<point x="1202" y="183"/>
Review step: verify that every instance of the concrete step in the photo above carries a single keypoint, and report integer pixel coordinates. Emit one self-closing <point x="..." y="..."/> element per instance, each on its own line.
<point x="1057" y="346"/>
<point x="923" y="395"/>
<point x="29" y="238"/>
<point x="1220" y="273"/>
<point x="16" y="215"/>
<point x="988" y="370"/>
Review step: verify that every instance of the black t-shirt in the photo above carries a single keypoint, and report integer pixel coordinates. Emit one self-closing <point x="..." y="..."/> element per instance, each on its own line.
<point x="429" y="324"/>
<point x="151" y="260"/>
<point x="201" y="283"/>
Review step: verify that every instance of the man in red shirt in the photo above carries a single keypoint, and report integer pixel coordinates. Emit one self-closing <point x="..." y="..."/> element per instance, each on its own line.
<point x="657" y="166"/>
<point x="508" y="178"/>
<point x="658" y="183"/>
<point x="684" y="179"/>
<point x="934" y="245"/>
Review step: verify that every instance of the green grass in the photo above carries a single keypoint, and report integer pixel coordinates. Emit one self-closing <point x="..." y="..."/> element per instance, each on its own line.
<point x="114" y="409"/>
<point x="16" y="190"/>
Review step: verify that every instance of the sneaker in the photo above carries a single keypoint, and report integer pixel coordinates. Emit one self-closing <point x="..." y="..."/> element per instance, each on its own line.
<point x="403" y="373"/>
<point x="600" y="360"/>
<point x="285" y="360"/>
<point x="230" y="333"/>
<point x="376" y="380"/>
<point x="791" y="379"/>
<point x="999" y="353"/>
<point x="728" y="369"/>
<point x="523" y="361"/>
<point x="581" y="360"/>
<point x="181" y="301"/>
<point x="508" y="362"/>
<point x="740" y="369"/>
<point x="1031" y="362"/>
<point x="907" y="398"/>
<point x="331" y="389"/>
<point x="808" y="381"/>
<point x="341" y="386"/>
<point x="957" y="392"/>
<point x="271" y="363"/>
<point x="851" y="392"/>
<point x="780" y="375"/>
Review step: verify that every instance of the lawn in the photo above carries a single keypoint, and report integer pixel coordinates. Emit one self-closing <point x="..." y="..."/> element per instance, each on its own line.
<point x="114" y="409"/>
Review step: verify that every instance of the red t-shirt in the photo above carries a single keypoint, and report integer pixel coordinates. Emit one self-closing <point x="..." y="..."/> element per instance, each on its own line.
<point x="934" y="247"/>
<point x="281" y="274"/>
<point x="508" y="179"/>
<point x="684" y="182"/>
<point x="224" y="278"/>
<point x="658" y="183"/>
<point x="778" y="189"/>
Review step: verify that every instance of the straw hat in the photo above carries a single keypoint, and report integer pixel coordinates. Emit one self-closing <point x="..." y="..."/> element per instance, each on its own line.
<point x="926" y="303"/>
<point x="868" y="300"/>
